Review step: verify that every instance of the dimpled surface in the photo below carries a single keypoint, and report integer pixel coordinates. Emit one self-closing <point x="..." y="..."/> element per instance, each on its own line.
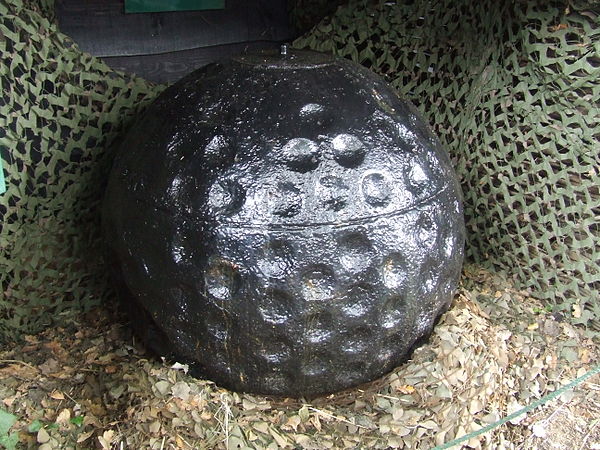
<point x="286" y="224"/>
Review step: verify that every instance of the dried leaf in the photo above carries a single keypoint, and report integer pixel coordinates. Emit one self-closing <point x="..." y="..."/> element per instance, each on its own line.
<point x="42" y="436"/>
<point x="584" y="356"/>
<point x="430" y="425"/>
<point x="316" y="422"/>
<point x="303" y="440"/>
<point x="181" y="390"/>
<point x="106" y="439"/>
<point x="443" y="392"/>
<point x="163" y="387"/>
<point x="402" y="431"/>
<point x="280" y="439"/>
<point x="251" y="436"/>
<point x="64" y="417"/>
<point x="154" y="427"/>
<point x="475" y="406"/>
<point x="263" y="427"/>
<point x="57" y="395"/>
<point x="569" y="353"/>
<point x="293" y="422"/>
<point x="183" y="367"/>
<point x="236" y="442"/>
<point x="397" y="413"/>
<point x="395" y="442"/>
<point x="249" y="405"/>
<point x="539" y="430"/>
<point x="117" y="391"/>
<point x="199" y="430"/>
<point x="304" y="413"/>
<point x="84" y="436"/>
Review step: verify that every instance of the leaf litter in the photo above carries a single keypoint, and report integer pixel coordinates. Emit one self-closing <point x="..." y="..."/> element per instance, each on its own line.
<point x="91" y="385"/>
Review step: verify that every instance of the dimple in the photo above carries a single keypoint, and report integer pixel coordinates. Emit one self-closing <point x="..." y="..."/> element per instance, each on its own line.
<point x="300" y="155"/>
<point x="376" y="189"/>
<point x="348" y="150"/>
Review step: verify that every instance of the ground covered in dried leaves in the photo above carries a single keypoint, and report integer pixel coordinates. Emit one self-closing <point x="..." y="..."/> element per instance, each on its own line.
<point x="90" y="385"/>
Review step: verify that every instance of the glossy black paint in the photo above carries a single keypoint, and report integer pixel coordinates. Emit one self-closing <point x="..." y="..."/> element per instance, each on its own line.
<point x="284" y="223"/>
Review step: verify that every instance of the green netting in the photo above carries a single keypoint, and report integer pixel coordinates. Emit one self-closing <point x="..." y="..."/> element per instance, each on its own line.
<point x="513" y="89"/>
<point x="59" y="108"/>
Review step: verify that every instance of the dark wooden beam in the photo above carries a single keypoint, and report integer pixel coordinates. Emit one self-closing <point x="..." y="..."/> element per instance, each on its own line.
<point x="169" y="67"/>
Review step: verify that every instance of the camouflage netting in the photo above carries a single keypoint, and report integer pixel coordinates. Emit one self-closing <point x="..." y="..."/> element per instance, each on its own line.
<point x="512" y="91"/>
<point x="59" y="108"/>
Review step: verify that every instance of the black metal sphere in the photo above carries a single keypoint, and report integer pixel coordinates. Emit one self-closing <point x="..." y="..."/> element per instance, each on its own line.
<point x="285" y="223"/>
